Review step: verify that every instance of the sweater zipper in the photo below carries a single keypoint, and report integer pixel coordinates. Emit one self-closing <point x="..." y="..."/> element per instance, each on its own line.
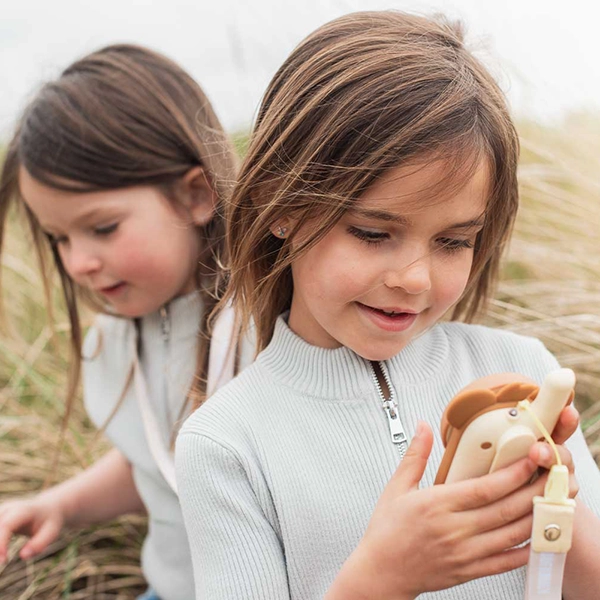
<point x="165" y="328"/>
<point x="390" y="407"/>
<point x="165" y="324"/>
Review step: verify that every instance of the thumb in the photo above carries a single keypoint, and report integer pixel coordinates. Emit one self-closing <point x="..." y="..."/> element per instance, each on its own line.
<point x="410" y="471"/>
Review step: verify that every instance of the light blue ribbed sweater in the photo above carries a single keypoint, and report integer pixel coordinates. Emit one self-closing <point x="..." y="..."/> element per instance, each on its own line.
<point x="280" y="470"/>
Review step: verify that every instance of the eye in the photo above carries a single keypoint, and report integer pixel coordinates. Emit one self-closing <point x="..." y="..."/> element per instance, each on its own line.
<point x="454" y="245"/>
<point x="106" y="230"/>
<point x="370" y="237"/>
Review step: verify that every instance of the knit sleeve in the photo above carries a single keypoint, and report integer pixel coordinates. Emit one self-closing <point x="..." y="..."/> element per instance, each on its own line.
<point x="235" y="551"/>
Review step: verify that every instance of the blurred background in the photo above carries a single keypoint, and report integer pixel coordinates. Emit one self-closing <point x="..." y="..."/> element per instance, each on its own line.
<point x="543" y="53"/>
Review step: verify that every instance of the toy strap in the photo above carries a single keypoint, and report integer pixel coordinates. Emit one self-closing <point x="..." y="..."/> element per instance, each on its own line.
<point x="221" y="363"/>
<point x="545" y="572"/>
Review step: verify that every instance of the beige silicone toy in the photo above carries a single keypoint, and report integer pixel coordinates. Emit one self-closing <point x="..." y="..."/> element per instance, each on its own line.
<point x="485" y="429"/>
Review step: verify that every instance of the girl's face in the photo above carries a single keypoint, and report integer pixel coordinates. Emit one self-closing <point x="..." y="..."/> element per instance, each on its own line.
<point x="389" y="269"/>
<point x="131" y="246"/>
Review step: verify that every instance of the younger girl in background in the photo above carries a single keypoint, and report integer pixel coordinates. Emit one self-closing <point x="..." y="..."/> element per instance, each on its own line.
<point x="377" y="195"/>
<point x="121" y="168"/>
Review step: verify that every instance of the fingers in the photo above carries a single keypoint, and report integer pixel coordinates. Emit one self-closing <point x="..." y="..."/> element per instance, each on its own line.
<point x="46" y="534"/>
<point x="567" y="424"/>
<point x="502" y="562"/>
<point x="475" y="493"/>
<point x="543" y="455"/>
<point x="507" y="510"/>
<point x="11" y="522"/>
<point x="411" y="469"/>
<point x="501" y="539"/>
<point x="27" y="519"/>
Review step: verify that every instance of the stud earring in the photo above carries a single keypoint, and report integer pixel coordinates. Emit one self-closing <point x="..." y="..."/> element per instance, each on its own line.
<point x="281" y="231"/>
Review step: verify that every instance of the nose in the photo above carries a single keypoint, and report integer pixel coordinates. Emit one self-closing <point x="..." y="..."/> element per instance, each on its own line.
<point x="414" y="277"/>
<point x="80" y="260"/>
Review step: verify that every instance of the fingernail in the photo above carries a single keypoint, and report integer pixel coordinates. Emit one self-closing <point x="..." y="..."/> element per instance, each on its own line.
<point x="545" y="453"/>
<point x="26" y="554"/>
<point x="419" y="430"/>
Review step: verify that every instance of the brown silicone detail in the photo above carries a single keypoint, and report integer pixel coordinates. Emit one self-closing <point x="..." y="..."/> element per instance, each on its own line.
<point x="458" y="415"/>
<point x="462" y="407"/>
<point x="485" y="384"/>
<point x="515" y="392"/>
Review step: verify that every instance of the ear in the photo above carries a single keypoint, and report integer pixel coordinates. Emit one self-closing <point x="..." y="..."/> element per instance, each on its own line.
<point x="201" y="198"/>
<point x="282" y="228"/>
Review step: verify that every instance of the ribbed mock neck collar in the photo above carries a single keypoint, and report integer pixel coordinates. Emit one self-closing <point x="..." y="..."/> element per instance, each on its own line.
<point x="340" y="373"/>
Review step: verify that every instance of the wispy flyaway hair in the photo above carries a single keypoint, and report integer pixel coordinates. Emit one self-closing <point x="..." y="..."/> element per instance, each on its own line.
<point x="363" y="94"/>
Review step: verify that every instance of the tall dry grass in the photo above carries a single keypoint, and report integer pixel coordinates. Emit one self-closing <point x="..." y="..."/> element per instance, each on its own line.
<point x="550" y="289"/>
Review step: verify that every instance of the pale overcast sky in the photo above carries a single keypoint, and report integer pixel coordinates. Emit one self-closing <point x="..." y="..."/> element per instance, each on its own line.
<point x="545" y="53"/>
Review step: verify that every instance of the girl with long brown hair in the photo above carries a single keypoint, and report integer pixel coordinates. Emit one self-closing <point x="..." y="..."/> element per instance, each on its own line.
<point x="378" y="192"/>
<point x="121" y="167"/>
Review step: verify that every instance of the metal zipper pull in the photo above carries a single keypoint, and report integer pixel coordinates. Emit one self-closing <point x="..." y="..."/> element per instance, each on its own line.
<point x="165" y="324"/>
<point x="396" y="430"/>
<point x="390" y="406"/>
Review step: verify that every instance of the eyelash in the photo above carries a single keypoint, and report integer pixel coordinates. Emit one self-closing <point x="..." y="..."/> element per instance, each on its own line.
<point x="452" y="245"/>
<point x="107" y="230"/>
<point x="374" y="238"/>
<point x="101" y="231"/>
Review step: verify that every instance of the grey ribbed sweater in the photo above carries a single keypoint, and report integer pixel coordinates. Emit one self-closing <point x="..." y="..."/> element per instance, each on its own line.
<point x="280" y="470"/>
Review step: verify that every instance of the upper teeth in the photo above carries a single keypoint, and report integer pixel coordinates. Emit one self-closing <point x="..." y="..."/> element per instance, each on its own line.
<point x="390" y="313"/>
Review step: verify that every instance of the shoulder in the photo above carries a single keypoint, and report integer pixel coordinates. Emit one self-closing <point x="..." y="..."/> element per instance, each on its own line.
<point x="476" y="334"/>
<point x="107" y="354"/>
<point x="499" y="350"/>
<point x="107" y="332"/>
<point x="234" y="407"/>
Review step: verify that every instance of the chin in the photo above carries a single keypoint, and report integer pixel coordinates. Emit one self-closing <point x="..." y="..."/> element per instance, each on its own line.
<point x="133" y="312"/>
<point x="377" y="352"/>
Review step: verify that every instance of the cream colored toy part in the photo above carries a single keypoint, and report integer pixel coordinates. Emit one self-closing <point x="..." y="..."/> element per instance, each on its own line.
<point x="484" y="429"/>
<point x="553" y="514"/>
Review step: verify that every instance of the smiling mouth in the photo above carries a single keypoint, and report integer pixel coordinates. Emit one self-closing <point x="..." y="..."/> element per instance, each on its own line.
<point x="392" y="313"/>
<point x="389" y="313"/>
<point x="392" y="321"/>
<point x="112" y="288"/>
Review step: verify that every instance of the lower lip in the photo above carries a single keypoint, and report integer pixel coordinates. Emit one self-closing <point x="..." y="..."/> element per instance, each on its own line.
<point x="395" y="323"/>
<point x="113" y="291"/>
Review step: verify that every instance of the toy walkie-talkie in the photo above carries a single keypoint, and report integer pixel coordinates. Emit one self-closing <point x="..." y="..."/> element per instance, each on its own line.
<point x="484" y="428"/>
<point x="492" y="423"/>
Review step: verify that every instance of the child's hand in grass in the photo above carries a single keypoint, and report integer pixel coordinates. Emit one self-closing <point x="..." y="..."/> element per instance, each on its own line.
<point x="40" y="517"/>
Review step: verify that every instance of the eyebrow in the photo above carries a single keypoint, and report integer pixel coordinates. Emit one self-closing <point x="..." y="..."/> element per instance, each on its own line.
<point x="382" y="215"/>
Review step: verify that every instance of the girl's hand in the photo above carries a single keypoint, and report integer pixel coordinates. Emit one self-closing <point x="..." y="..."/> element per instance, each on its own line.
<point x="435" y="538"/>
<point x="543" y="456"/>
<point x="566" y="425"/>
<point x="41" y="518"/>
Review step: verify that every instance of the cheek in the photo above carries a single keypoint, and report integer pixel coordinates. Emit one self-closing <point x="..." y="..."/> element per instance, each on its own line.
<point x="331" y="270"/>
<point x="137" y="257"/>
<point x="453" y="279"/>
